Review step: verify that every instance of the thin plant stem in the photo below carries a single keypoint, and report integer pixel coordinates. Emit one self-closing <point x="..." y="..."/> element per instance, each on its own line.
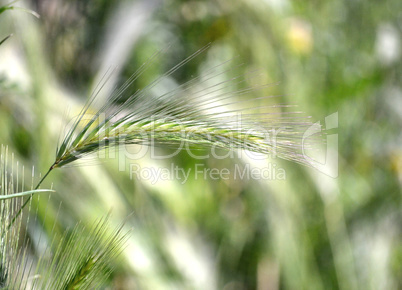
<point x="29" y="198"/>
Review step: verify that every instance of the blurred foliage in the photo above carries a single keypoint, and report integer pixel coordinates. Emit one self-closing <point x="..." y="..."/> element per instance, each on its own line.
<point x="308" y="231"/>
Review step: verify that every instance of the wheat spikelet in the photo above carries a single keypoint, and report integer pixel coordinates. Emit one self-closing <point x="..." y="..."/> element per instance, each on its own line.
<point x="14" y="264"/>
<point x="195" y="114"/>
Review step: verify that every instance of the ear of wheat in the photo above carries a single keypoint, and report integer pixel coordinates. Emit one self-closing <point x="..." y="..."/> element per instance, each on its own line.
<point x="63" y="265"/>
<point x="195" y="114"/>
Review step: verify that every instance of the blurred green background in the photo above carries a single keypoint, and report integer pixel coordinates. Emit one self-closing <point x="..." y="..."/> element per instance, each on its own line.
<point x="309" y="231"/>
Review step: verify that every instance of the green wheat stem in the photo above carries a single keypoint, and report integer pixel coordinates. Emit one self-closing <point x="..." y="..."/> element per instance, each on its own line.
<point x="29" y="198"/>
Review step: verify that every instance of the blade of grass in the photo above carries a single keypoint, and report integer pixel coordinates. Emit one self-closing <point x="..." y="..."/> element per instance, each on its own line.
<point x="4" y="39"/>
<point x="24" y="193"/>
